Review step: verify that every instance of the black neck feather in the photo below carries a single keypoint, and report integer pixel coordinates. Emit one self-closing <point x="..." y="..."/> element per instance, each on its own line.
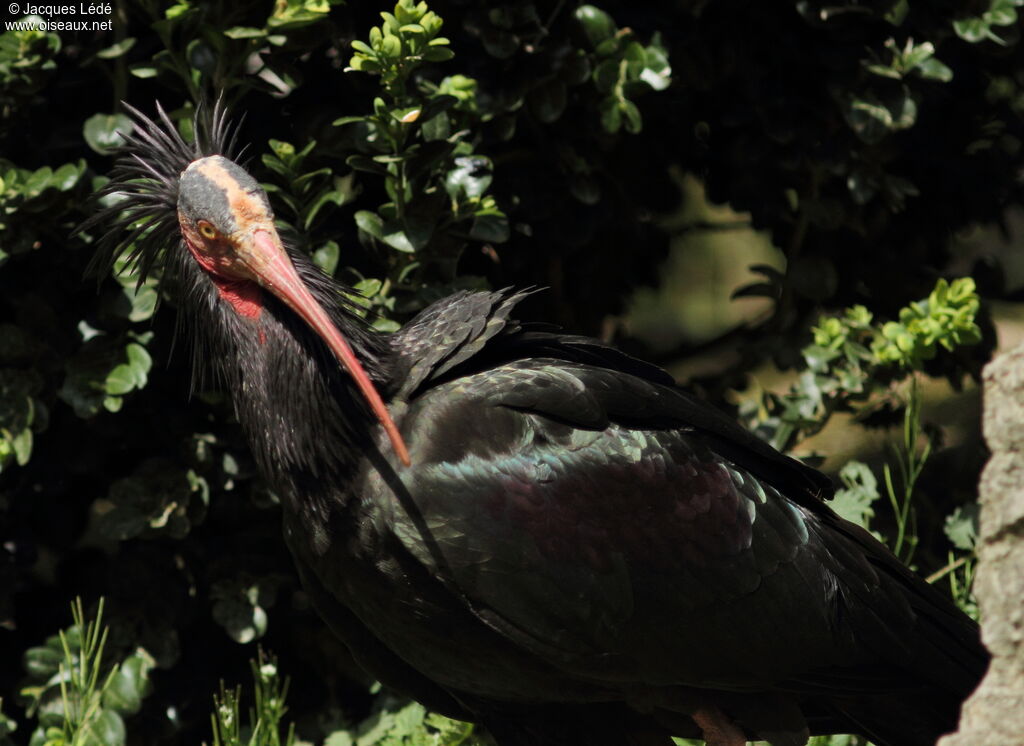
<point x="305" y="421"/>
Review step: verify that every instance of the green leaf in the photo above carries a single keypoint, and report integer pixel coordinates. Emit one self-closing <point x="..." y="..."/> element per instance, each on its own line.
<point x="143" y="70"/>
<point x="339" y="738"/>
<point x="154" y="500"/>
<point x="311" y="178"/>
<point x="290" y="15"/>
<point x="934" y="69"/>
<point x="363" y="163"/>
<point x="245" y="32"/>
<point x="107" y="729"/>
<point x="121" y="380"/>
<point x="406" y="13"/>
<point x="898" y="12"/>
<point x="961" y="527"/>
<point x="586" y="190"/>
<point x="972" y="29"/>
<point x="347" y="120"/>
<point x="597" y="24"/>
<point x="606" y="75"/>
<point x="634" y="53"/>
<point x="38" y="181"/>
<point x="326" y="257"/>
<point x="470" y="178"/>
<point x="454" y="90"/>
<point x="102" y="131"/>
<point x="338" y="193"/>
<point x="860" y="491"/>
<point x="368" y="287"/>
<point x="872" y="118"/>
<point x="132" y="374"/>
<point x="491" y="226"/>
<point x="92" y="369"/>
<point x="632" y="118"/>
<point x="236" y="607"/>
<point x="7" y="725"/>
<point x="276" y="165"/>
<point x="818" y="357"/>
<point x="885" y="71"/>
<point x="394" y="235"/>
<point x="1001" y="14"/>
<point x="362" y="64"/>
<point x="917" y="55"/>
<point x="143" y="302"/>
<point x="432" y="22"/>
<point x="657" y="73"/>
<point x="67" y="176"/>
<point x="177" y="10"/>
<point x="130" y="684"/>
<point x="436" y="128"/>
<point x="43" y="662"/>
<point x="418" y="228"/>
<point x="437" y="54"/>
<point x="116" y="50"/>
<point x="22" y="445"/>
<point x="391" y="46"/>
<point x="611" y="115"/>
<point x="370" y="223"/>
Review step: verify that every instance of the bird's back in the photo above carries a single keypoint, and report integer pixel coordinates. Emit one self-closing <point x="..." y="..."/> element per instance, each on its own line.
<point x="575" y="530"/>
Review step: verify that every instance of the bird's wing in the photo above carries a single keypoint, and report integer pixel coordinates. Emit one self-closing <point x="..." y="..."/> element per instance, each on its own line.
<point x="449" y="332"/>
<point x="469" y="332"/>
<point x="576" y="513"/>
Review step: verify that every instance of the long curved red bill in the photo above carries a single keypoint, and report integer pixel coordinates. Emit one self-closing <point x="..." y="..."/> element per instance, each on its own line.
<point x="275" y="272"/>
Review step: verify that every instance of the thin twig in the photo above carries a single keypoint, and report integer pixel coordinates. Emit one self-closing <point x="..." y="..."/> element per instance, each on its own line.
<point x="943" y="572"/>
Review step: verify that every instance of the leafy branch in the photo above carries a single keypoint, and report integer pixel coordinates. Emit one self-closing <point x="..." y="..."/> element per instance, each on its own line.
<point x="854" y="501"/>
<point x="860" y="490"/>
<point x="623" y="68"/>
<point x="1000" y="13"/>
<point x="909" y="463"/>
<point x="77" y="700"/>
<point x="419" y="153"/>
<point x="407" y="39"/>
<point x="418" y="142"/>
<point x="852" y="357"/>
<point x="400" y="723"/>
<point x="263" y="727"/>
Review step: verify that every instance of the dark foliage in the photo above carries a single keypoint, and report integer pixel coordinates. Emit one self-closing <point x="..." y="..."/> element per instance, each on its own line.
<point x="861" y="135"/>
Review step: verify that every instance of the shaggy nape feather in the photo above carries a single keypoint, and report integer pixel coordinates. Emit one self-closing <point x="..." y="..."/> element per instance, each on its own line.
<point x="139" y="204"/>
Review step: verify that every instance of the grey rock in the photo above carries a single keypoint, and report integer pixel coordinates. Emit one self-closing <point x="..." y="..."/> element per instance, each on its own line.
<point x="994" y="714"/>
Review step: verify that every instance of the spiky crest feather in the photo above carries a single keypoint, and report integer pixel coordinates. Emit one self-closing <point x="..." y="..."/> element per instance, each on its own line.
<point x="138" y="206"/>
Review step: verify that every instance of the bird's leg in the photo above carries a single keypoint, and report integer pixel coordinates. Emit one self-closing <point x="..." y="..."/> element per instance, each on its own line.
<point x="717" y="728"/>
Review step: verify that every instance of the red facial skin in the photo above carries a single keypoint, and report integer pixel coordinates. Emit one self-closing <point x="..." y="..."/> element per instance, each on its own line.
<point x="214" y="255"/>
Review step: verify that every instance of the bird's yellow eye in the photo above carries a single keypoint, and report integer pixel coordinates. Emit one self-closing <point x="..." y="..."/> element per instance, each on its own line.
<point x="207" y="230"/>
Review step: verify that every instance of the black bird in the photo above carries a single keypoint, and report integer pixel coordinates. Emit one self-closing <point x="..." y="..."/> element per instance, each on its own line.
<point x="527" y="528"/>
